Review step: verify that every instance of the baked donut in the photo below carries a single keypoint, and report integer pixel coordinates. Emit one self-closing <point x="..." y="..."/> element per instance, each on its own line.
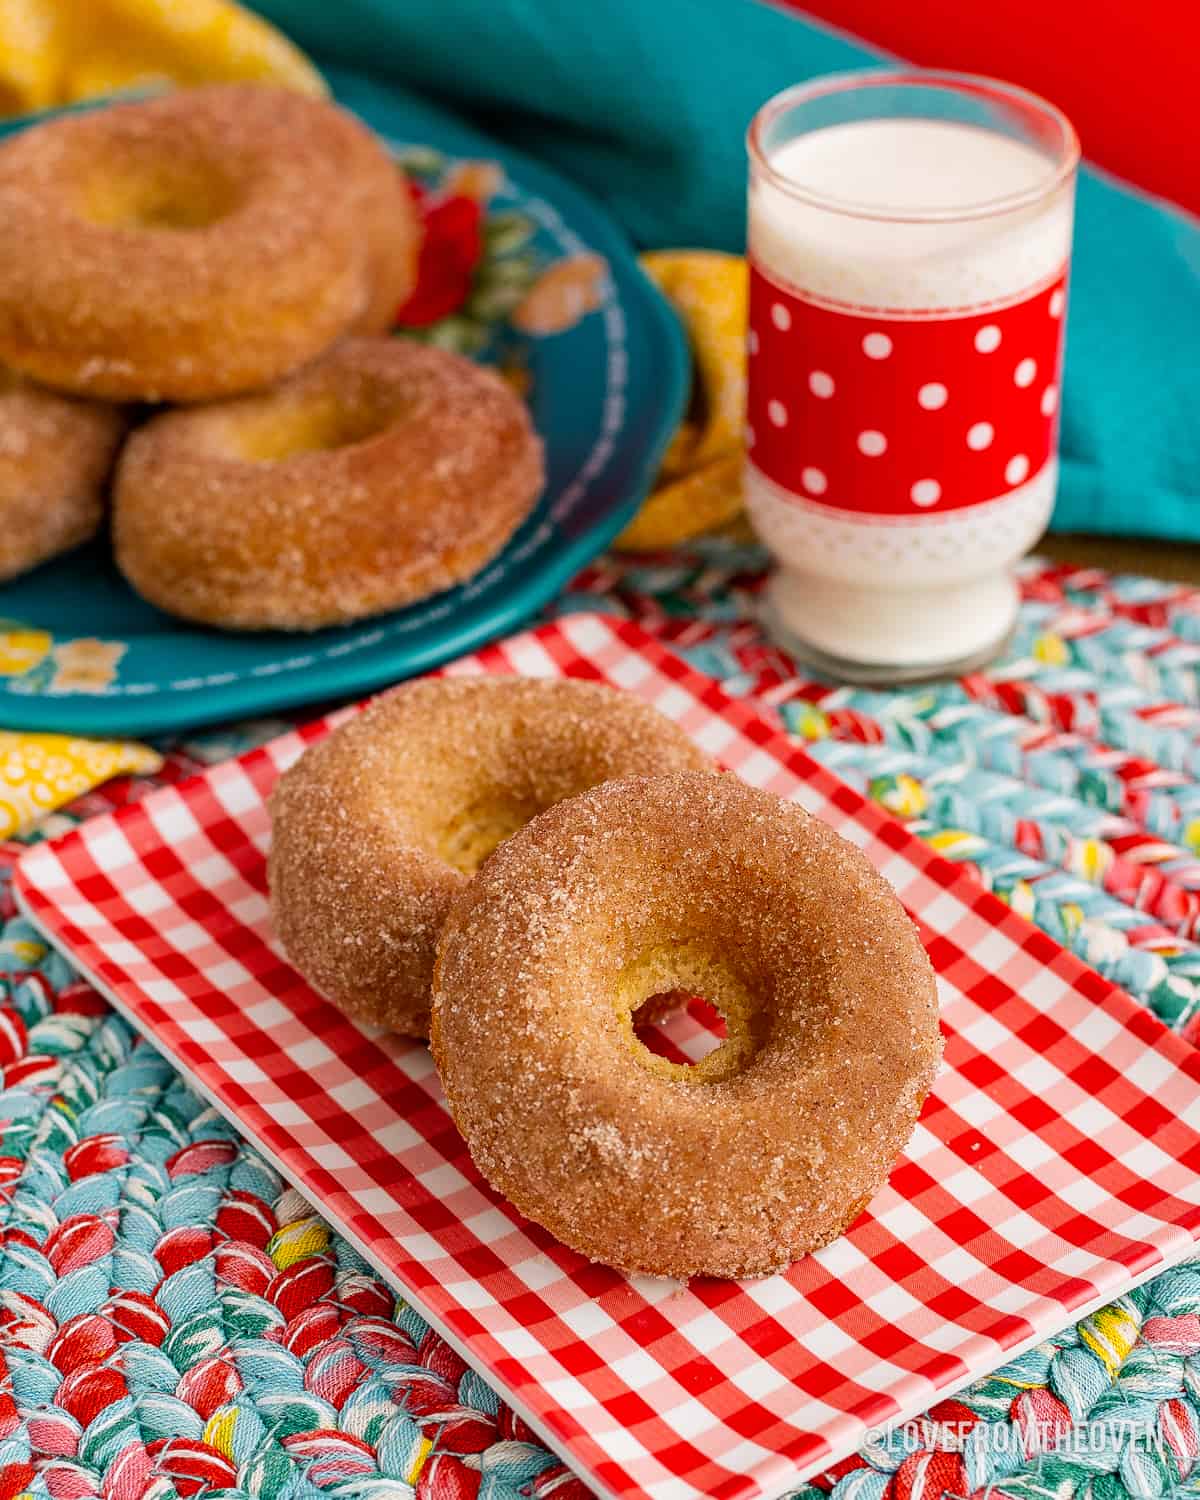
<point x="197" y="245"/>
<point x="772" y="1144"/>
<point x="391" y="226"/>
<point x="383" y="472"/>
<point x="55" y="456"/>
<point x="378" y="828"/>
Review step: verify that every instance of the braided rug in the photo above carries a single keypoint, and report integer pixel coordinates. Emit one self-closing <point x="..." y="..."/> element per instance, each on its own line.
<point x="176" y="1321"/>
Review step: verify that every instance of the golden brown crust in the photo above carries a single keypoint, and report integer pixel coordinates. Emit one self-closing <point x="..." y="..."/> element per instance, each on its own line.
<point x="192" y="246"/>
<point x="375" y="828"/>
<point x="392" y="229"/>
<point x="382" y="473"/>
<point x="55" y="455"/>
<point x="637" y="1163"/>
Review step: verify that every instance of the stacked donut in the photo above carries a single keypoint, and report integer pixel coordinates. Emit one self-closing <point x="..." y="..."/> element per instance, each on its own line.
<point x="238" y="252"/>
<point x="524" y="870"/>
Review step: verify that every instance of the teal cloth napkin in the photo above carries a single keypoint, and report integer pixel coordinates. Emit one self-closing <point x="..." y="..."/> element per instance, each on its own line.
<point x="645" y="103"/>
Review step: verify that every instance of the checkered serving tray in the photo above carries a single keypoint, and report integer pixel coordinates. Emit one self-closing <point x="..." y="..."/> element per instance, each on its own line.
<point x="1055" y="1165"/>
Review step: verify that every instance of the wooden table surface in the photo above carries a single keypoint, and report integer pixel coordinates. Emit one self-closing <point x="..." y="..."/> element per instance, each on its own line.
<point x="1178" y="560"/>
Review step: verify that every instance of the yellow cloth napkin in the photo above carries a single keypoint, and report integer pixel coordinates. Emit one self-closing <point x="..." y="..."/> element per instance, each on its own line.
<point x="57" y="51"/>
<point x="699" y="486"/>
<point x="42" y="772"/>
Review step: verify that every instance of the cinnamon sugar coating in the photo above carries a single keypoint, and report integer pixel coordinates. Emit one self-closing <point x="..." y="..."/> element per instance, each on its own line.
<point x="196" y="245"/>
<point x="377" y="828"/>
<point x="391" y="226"/>
<point x="731" y="1168"/>
<point x="383" y="472"/>
<point x="55" y="455"/>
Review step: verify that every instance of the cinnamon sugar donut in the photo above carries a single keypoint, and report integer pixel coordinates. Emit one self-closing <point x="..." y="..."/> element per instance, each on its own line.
<point x="196" y="245"/>
<point x="55" y="455"/>
<point x="383" y="472"/>
<point x="390" y="225"/>
<point x="773" y="1143"/>
<point x="379" y="827"/>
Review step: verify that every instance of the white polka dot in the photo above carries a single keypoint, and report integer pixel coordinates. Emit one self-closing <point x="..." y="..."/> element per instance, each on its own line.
<point x="1057" y="302"/>
<point x="752" y="341"/>
<point x="1025" y="373"/>
<point x="872" y="443"/>
<point x="987" y="339"/>
<point x="780" y="316"/>
<point x="821" y="384"/>
<point x="877" y="346"/>
<point x="777" y="413"/>
<point x="814" y="481"/>
<point x="926" y="492"/>
<point x="980" y="435"/>
<point x="933" y="396"/>
<point x="1049" y="400"/>
<point x="1016" y="469"/>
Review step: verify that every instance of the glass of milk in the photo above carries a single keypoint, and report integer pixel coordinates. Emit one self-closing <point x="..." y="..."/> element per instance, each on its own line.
<point x="909" y="234"/>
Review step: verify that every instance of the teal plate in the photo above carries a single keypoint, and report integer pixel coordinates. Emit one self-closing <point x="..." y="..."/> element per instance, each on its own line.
<point x="606" y="380"/>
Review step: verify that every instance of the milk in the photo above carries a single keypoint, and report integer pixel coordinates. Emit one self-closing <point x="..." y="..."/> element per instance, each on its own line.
<point x="906" y="591"/>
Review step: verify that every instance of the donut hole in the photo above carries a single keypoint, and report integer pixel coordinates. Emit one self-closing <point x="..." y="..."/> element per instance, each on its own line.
<point x="277" y="431"/>
<point x="681" y="454"/>
<point x="658" y="1022"/>
<point x="170" y="195"/>
<point x="472" y="834"/>
<point x="663" y="981"/>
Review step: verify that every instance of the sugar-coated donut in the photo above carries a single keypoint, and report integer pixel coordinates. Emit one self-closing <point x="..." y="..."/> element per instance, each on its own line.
<point x="381" y="473"/>
<point x="55" y="456"/>
<point x="197" y="245"/>
<point x="391" y="227"/>
<point x="772" y="1144"/>
<point x="379" y="827"/>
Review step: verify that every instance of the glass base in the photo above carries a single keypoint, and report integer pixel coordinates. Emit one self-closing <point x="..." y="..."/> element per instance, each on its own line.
<point x="877" y="638"/>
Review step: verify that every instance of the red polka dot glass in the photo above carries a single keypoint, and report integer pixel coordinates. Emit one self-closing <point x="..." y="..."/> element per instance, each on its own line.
<point x="909" y="236"/>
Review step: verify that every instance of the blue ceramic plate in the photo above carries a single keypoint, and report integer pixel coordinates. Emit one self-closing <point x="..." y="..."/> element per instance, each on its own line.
<point x="557" y="300"/>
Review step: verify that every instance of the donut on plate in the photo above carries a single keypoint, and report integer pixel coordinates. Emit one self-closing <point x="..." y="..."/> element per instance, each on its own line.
<point x="383" y="472"/>
<point x="196" y="245"/>
<point x="55" y="456"/>
<point x="391" y="226"/>
<point x="773" y="1143"/>
<point x="380" y="826"/>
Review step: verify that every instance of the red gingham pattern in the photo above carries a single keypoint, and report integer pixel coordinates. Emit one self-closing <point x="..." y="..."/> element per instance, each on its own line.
<point x="1056" y="1162"/>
